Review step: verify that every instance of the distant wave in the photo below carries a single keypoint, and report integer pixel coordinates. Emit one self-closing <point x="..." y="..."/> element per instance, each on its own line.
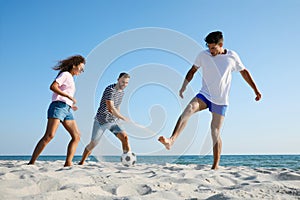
<point x="252" y="161"/>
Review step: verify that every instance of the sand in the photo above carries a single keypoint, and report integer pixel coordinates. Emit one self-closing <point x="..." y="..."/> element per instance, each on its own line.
<point x="95" y="180"/>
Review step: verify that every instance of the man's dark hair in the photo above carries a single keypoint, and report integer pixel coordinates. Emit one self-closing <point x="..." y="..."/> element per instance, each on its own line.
<point x="214" y="37"/>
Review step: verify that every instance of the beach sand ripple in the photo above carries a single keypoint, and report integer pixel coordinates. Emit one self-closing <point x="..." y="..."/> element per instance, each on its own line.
<point x="49" y="180"/>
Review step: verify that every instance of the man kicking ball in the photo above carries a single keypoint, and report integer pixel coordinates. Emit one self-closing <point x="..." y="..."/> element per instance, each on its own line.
<point x="217" y="64"/>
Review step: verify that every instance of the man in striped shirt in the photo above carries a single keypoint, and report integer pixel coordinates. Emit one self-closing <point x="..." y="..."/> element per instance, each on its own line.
<point x="107" y="116"/>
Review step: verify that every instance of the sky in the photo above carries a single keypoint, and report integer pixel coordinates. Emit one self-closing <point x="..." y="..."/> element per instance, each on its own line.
<point x="156" y="42"/>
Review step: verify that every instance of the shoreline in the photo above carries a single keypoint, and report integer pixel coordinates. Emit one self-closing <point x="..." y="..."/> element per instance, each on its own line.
<point x="252" y="161"/>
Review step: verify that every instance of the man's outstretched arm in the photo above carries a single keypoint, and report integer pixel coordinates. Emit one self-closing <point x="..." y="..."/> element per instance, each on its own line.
<point x="248" y="78"/>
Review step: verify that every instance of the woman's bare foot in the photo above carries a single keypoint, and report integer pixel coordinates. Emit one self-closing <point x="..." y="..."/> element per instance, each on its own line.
<point x="166" y="141"/>
<point x="81" y="163"/>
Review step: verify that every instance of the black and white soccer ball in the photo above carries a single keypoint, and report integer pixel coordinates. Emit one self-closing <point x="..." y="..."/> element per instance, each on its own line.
<point x="128" y="159"/>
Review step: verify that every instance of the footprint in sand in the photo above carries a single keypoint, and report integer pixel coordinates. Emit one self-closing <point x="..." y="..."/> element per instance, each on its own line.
<point x="131" y="190"/>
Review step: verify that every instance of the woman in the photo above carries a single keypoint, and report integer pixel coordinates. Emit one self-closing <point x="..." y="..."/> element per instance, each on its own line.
<point x="63" y="88"/>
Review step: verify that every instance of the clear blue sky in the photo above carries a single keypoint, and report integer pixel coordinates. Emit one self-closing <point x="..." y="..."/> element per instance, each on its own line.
<point x="35" y="34"/>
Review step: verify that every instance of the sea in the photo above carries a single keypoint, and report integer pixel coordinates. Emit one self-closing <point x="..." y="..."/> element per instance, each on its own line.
<point x="252" y="161"/>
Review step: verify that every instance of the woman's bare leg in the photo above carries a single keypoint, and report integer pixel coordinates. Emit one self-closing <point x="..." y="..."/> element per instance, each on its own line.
<point x="52" y="126"/>
<point x="71" y="127"/>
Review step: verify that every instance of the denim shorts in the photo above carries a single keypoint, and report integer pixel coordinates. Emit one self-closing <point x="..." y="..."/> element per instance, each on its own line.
<point x="219" y="109"/>
<point x="99" y="129"/>
<point x="60" y="110"/>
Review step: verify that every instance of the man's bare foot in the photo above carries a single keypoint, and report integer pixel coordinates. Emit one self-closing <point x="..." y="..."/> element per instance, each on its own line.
<point x="68" y="164"/>
<point x="166" y="141"/>
<point x="215" y="167"/>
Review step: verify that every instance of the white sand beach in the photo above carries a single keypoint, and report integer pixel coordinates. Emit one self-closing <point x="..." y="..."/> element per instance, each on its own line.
<point x="49" y="180"/>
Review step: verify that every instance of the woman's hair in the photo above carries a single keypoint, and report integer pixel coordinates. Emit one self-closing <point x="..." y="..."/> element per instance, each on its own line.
<point x="67" y="64"/>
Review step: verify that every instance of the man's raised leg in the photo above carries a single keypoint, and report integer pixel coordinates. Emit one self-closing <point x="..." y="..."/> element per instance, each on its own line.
<point x="194" y="106"/>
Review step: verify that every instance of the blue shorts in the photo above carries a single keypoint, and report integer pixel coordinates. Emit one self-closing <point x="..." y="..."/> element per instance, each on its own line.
<point x="219" y="109"/>
<point x="60" y="110"/>
<point x="99" y="129"/>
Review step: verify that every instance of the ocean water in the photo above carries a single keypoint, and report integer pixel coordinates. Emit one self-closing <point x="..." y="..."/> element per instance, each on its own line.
<point x="252" y="161"/>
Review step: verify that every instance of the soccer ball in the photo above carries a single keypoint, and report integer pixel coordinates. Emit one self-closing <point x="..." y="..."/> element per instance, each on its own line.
<point x="128" y="159"/>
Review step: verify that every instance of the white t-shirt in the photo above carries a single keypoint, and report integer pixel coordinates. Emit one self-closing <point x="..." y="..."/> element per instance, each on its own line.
<point x="66" y="84"/>
<point x="216" y="74"/>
